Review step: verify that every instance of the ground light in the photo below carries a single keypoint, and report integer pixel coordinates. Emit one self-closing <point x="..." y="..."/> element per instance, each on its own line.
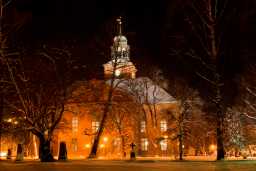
<point x="212" y="147"/>
<point x="87" y="145"/>
<point x="105" y="139"/>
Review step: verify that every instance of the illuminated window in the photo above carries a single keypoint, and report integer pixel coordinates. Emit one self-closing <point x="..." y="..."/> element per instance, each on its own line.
<point x="75" y="124"/>
<point x="95" y="126"/>
<point x="133" y="75"/>
<point x="163" y="125"/>
<point x="163" y="145"/>
<point x="143" y="126"/>
<point x="74" y="144"/>
<point x="144" y="144"/>
<point x="117" y="73"/>
<point x="117" y="143"/>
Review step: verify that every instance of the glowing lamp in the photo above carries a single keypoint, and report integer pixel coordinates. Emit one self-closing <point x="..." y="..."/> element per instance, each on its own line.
<point x="117" y="73"/>
<point x="212" y="147"/>
<point x="105" y="139"/>
<point x="87" y="145"/>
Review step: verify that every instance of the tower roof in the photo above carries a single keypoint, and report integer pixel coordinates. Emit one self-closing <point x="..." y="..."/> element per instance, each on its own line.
<point x="119" y="22"/>
<point x="145" y="90"/>
<point x="119" y="38"/>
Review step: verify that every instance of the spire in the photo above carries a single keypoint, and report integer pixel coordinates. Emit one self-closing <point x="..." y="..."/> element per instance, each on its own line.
<point x="119" y="22"/>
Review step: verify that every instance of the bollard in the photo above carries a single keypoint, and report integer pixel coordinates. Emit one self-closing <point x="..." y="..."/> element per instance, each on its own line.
<point x="9" y="154"/>
<point x="20" y="152"/>
<point x="132" y="154"/>
<point x="63" y="151"/>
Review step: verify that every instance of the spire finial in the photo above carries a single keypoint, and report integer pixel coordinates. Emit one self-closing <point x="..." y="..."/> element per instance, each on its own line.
<point x="119" y="21"/>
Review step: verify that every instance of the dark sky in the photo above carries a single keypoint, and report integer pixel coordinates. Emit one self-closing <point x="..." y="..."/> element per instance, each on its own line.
<point x="84" y="22"/>
<point x="146" y="23"/>
<point x="84" y="18"/>
<point x="86" y="28"/>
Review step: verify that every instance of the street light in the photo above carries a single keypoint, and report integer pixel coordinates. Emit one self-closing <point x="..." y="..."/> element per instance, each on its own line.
<point x="212" y="147"/>
<point x="87" y="145"/>
<point x="105" y="139"/>
<point x="117" y="73"/>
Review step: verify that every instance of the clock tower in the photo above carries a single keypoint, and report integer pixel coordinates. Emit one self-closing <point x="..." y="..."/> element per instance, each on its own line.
<point x="120" y="64"/>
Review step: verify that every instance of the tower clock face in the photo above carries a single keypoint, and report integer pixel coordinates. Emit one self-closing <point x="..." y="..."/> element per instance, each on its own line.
<point x="117" y="73"/>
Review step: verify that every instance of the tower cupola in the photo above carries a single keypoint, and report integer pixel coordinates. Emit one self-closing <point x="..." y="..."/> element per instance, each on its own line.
<point x="120" y="56"/>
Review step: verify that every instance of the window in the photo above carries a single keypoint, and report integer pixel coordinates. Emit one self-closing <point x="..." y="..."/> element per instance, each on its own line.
<point x="143" y="126"/>
<point x="74" y="144"/>
<point x="163" y="145"/>
<point x="75" y="124"/>
<point x="163" y="125"/>
<point x="117" y="143"/>
<point x="144" y="144"/>
<point x="133" y="75"/>
<point x="117" y="73"/>
<point x="95" y="126"/>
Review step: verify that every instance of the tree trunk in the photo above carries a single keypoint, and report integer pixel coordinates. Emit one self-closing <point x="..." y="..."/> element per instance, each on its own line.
<point x="180" y="147"/>
<point x="1" y="117"/>
<point x="123" y="147"/>
<point x="44" y="150"/>
<point x="180" y="138"/>
<point x="220" y="145"/>
<point x="94" y="149"/>
<point x="220" y="117"/>
<point x="93" y="153"/>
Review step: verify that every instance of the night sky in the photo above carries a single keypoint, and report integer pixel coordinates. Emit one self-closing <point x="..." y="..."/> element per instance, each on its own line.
<point x="87" y="26"/>
<point x="57" y="20"/>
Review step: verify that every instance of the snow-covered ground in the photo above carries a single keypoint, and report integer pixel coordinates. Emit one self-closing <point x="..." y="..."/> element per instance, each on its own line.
<point x="139" y="165"/>
<point x="189" y="158"/>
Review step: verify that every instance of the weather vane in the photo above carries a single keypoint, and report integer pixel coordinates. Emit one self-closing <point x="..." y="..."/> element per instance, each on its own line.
<point x="119" y="21"/>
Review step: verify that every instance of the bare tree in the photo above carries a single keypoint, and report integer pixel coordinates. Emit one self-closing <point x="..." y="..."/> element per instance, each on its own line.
<point x="248" y="92"/>
<point x="124" y="115"/>
<point x="234" y="136"/>
<point x="245" y="106"/>
<point x="183" y="119"/>
<point x="148" y="93"/>
<point x="92" y="96"/>
<point x="119" y="60"/>
<point x="40" y="92"/>
<point x="208" y="22"/>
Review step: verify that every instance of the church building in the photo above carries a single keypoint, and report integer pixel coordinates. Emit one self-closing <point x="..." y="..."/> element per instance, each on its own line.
<point x="138" y="113"/>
